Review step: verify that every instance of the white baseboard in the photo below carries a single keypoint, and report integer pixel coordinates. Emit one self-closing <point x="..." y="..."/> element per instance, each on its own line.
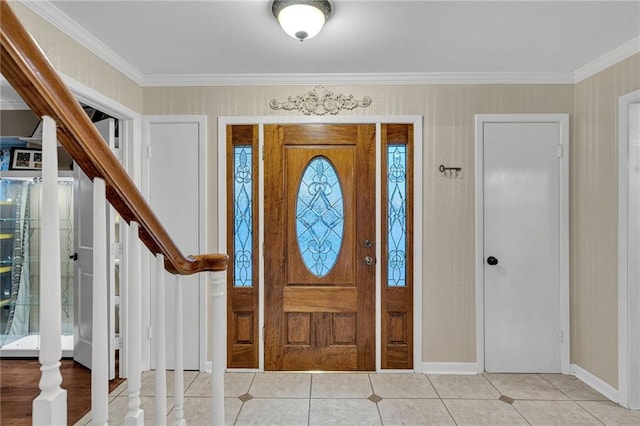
<point x="595" y="382"/>
<point x="448" y="368"/>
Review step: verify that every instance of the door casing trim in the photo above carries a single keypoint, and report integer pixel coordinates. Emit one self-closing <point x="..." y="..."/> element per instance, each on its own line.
<point x="416" y="121"/>
<point x="628" y="284"/>
<point x="131" y="140"/>
<point x="563" y="121"/>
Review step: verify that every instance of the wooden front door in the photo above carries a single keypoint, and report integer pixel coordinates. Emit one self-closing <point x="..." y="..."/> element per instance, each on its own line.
<point x="319" y="247"/>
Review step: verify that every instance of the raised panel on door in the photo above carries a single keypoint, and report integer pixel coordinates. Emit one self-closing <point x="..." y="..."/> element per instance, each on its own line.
<point x="319" y="211"/>
<point x="522" y="232"/>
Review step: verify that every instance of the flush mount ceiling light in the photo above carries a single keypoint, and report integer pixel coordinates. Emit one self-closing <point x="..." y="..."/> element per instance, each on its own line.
<point x="301" y="19"/>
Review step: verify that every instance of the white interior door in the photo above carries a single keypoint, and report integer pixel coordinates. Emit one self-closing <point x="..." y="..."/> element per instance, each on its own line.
<point x="522" y="245"/>
<point x="83" y="270"/>
<point x="174" y="171"/>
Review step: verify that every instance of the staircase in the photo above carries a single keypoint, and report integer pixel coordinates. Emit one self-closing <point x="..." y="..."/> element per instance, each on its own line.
<point x="26" y="68"/>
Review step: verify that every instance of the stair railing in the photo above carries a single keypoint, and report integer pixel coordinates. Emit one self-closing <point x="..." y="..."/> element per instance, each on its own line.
<point x="26" y="68"/>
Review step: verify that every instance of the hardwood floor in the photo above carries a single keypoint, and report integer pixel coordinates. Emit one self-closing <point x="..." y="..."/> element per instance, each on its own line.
<point x="19" y="386"/>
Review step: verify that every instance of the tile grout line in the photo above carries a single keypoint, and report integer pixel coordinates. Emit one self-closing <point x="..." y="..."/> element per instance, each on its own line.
<point x="235" y="421"/>
<point x="310" y="393"/>
<point x="484" y="376"/>
<point x="377" y="406"/>
<point x="440" y="399"/>
<point x="590" y="413"/>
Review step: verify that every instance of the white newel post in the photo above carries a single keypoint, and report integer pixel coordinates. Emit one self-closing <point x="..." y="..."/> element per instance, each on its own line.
<point x="178" y="383"/>
<point x="135" y="415"/>
<point x="218" y="344"/>
<point x="50" y="407"/>
<point x="100" y="332"/>
<point x="160" y="346"/>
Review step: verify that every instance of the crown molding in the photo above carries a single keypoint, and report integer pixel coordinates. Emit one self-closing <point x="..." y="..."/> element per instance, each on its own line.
<point x="52" y="14"/>
<point x="174" y="80"/>
<point x="68" y="26"/>
<point x="605" y="61"/>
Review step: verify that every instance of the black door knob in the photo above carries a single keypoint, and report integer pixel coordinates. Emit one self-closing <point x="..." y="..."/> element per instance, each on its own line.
<point x="492" y="260"/>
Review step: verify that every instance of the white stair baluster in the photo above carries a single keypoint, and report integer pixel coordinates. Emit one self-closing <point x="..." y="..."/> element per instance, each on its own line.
<point x="100" y="331"/>
<point x="218" y="345"/>
<point x="160" y="345"/>
<point x="135" y="415"/>
<point x="50" y="407"/>
<point x="178" y="407"/>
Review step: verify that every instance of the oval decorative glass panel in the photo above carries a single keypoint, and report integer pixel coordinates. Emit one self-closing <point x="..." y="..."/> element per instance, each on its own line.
<point x="319" y="216"/>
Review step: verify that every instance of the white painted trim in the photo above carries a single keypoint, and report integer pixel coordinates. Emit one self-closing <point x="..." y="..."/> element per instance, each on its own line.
<point x="479" y="156"/>
<point x="355" y="119"/>
<point x="49" y="12"/>
<point x="461" y="368"/>
<point x="628" y="286"/>
<point x="88" y="95"/>
<point x="261" y="275"/>
<point x="379" y="181"/>
<point x="201" y="121"/>
<point x="596" y="383"/>
<point x="236" y="370"/>
<point x="174" y="80"/>
<point x="563" y="122"/>
<point x="417" y="121"/>
<point x="418" y="235"/>
<point x="14" y="105"/>
<point x="610" y="58"/>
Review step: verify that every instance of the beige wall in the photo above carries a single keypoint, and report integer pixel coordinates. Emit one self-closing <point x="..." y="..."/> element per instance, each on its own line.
<point x="75" y="61"/>
<point x="594" y="224"/>
<point x="449" y="207"/>
<point x="17" y="123"/>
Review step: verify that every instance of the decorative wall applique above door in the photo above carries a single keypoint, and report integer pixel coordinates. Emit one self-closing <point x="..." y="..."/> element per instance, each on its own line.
<point x="320" y="101"/>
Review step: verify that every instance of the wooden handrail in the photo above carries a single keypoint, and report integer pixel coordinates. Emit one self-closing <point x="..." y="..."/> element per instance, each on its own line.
<point x="27" y="69"/>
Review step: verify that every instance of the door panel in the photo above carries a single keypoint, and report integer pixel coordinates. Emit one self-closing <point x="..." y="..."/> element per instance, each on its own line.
<point x="397" y="294"/>
<point x="83" y="273"/>
<point x="243" y="278"/>
<point x="521" y="230"/>
<point x="319" y="312"/>
<point x="174" y="196"/>
<point x="83" y="268"/>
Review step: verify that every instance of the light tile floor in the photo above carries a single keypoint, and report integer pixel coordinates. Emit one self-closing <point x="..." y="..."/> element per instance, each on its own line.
<point x="384" y="399"/>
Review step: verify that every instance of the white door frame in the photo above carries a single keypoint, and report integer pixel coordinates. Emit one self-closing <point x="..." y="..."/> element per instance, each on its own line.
<point x="130" y="137"/>
<point x="628" y="278"/>
<point x="563" y="122"/>
<point x="416" y="120"/>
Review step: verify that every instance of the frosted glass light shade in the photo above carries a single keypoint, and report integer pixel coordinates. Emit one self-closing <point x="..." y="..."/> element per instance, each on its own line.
<point x="302" y="19"/>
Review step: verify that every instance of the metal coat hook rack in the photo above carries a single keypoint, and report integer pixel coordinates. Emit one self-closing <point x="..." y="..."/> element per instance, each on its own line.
<point x="450" y="172"/>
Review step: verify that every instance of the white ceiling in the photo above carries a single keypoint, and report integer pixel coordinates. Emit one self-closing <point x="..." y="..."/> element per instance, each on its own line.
<point x="194" y="42"/>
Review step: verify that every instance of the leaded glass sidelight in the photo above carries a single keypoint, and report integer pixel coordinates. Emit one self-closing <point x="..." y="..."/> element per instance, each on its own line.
<point x="397" y="215"/>
<point x="319" y="216"/>
<point x="243" y="220"/>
